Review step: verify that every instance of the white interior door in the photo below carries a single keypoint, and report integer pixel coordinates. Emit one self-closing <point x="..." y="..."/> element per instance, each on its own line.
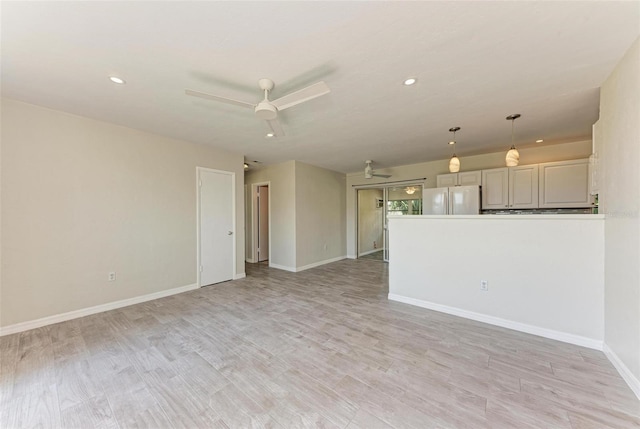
<point x="216" y="254"/>
<point x="263" y="223"/>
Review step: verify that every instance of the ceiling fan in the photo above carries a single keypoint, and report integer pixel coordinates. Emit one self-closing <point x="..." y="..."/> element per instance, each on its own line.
<point x="369" y="173"/>
<point x="268" y="109"/>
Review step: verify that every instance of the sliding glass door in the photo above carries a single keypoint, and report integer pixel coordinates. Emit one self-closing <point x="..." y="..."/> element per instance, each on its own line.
<point x="401" y="201"/>
<point x="371" y="223"/>
<point x="374" y="205"/>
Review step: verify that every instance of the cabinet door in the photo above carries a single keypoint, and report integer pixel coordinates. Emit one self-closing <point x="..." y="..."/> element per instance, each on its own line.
<point x="470" y="178"/>
<point x="495" y="188"/>
<point x="446" y="180"/>
<point x="565" y="184"/>
<point x="523" y="187"/>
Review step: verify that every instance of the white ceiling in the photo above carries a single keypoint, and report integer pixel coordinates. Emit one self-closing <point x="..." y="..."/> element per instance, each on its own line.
<point x="476" y="62"/>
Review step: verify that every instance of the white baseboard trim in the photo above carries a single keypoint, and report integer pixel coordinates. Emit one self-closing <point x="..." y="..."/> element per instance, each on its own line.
<point x="497" y="321"/>
<point x="370" y="252"/>
<point x="239" y="276"/>
<point x="75" y="314"/>
<point x="624" y="371"/>
<point x="352" y="257"/>
<point x="251" y="260"/>
<point x="317" y="264"/>
<point x="282" y="267"/>
<point x="306" y="267"/>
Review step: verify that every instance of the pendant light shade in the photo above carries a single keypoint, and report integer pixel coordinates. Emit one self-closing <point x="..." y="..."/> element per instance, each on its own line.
<point x="513" y="156"/>
<point x="454" y="162"/>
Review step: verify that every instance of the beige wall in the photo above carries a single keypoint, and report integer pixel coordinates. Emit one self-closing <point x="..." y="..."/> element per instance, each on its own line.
<point x="307" y="206"/>
<point x="370" y="219"/>
<point x="282" y="190"/>
<point x="320" y="215"/>
<point x="620" y="201"/>
<point x="81" y="198"/>
<point x="530" y="155"/>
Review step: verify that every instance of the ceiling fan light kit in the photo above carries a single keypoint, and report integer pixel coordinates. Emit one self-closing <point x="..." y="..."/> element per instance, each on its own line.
<point x="266" y="109"/>
<point x="454" y="162"/>
<point x="513" y="156"/>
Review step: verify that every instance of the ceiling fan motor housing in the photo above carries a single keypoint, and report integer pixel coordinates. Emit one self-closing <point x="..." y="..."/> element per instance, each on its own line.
<point x="368" y="171"/>
<point x="267" y="111"/>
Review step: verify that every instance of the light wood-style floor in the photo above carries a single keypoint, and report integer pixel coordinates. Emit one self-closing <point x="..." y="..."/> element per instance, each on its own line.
<point x="320" y="348"/>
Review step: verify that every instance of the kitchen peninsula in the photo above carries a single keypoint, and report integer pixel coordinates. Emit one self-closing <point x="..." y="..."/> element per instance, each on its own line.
<point x="541" y="274"/>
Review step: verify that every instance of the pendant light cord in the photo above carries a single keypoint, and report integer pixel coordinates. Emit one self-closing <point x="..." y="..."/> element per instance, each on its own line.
<point x="454" y="143"/>
<point x="513" y="118"/>
<point x="512" y="125"/>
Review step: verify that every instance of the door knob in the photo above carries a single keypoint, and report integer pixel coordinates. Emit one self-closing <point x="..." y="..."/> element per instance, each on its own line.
<point x="230" y="233"/>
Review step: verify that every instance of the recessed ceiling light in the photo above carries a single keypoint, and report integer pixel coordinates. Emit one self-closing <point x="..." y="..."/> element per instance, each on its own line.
<point x="539" y="141"/>
<point x="269" y="135"/>
<point x="246" y="166"/>
<point x="452" y="142"/>
<point x="117" y="80"/>
<point x="410" y="81"/>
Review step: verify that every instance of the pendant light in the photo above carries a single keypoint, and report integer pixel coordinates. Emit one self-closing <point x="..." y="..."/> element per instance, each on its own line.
<point x="410" y="190"/>
<point x="513" y="156"/>
<point x="454" y="162"/>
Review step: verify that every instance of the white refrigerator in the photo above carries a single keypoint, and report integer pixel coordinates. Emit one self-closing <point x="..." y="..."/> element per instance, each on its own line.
<point x="456" y="200"/>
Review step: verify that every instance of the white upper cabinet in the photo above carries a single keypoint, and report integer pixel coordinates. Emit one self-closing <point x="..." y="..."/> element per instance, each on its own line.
<point x="495" y="188"/>
<point x="564" y="184"/>
<point x="523" y="187"/>
<point x="446" y="180"/>
<point x="468" y="178"/>
<point x="510" y="188"/>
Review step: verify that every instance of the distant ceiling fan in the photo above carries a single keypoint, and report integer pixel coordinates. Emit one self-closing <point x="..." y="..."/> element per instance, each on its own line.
<point x="369" y="173"/>
<point x="268" y="109"/>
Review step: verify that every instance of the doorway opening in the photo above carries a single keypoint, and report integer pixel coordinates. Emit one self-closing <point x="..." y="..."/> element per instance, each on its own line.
<point x="261" y="222"/>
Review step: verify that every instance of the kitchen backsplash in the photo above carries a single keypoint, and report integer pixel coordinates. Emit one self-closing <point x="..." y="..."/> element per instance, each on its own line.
<point x="538" y="211"/>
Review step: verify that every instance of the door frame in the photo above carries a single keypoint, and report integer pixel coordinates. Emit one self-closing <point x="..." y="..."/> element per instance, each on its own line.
<point x="254" y="219"/>
<point x="199" y="170"/>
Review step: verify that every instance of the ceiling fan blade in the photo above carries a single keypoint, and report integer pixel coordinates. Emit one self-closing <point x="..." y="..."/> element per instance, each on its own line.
<point x="275" y="127"/>
<point x="386" y="176"/>
<point x="218" y="98"/>
<point x="302" y="95"/>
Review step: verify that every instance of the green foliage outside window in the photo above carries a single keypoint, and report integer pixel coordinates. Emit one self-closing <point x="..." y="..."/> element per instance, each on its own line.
<point x="401" y="207"/>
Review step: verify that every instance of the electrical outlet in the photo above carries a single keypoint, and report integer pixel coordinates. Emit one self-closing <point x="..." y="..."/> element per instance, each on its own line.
<point x="112" y="276"/>
<point x="484" y="285"/>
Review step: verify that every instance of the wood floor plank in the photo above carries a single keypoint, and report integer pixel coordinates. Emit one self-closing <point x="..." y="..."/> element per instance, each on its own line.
<point x="319" y="348"/>
<point x="94" y="412"/>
